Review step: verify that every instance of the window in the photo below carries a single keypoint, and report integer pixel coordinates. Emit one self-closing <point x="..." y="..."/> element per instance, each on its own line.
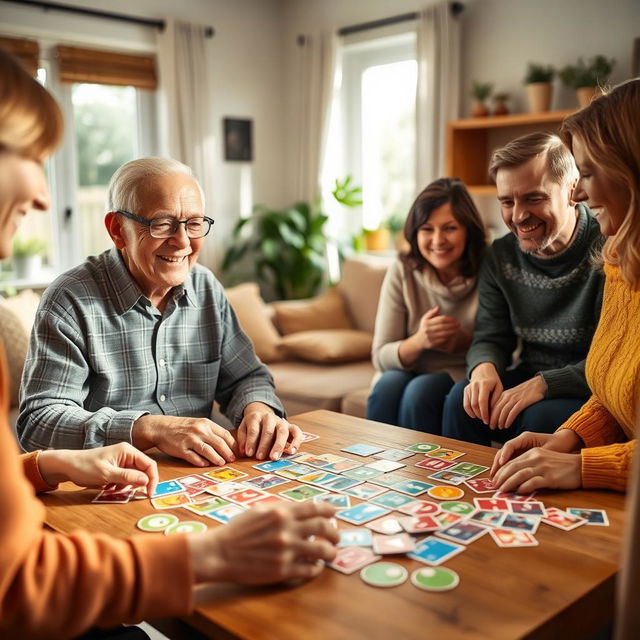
<point x="372" y="134"/>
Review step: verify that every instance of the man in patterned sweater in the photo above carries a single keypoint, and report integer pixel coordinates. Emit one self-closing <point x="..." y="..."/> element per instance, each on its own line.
<point x="538" y="290"/>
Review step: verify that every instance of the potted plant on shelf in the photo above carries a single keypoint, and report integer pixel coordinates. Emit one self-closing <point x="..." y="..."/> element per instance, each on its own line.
<point x="538" y="80"/>
<point x="500" y="107"/>
<point x="587" y="79"/>
<point x="480" y="92"/>
<point x="27" y="256"/>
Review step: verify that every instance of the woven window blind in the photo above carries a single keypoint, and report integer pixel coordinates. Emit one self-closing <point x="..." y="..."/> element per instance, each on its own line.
<point x="27" y="51"/>
<point x="104" y="67"/>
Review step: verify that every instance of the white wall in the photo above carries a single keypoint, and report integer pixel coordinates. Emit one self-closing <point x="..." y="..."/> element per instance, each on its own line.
<point x="247" y="65"/>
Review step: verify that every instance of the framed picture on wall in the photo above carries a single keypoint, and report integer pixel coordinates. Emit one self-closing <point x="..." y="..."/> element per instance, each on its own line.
<point x="238" y="139"/>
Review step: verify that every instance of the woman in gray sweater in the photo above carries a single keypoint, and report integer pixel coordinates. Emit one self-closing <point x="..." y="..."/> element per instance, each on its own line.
<point x="426" y="310"/>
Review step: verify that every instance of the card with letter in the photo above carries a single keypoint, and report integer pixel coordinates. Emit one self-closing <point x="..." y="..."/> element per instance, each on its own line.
<point x="491" y="504"/>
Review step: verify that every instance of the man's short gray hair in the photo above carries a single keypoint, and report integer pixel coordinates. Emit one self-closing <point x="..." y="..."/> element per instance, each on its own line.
<point x="123" y="186"/>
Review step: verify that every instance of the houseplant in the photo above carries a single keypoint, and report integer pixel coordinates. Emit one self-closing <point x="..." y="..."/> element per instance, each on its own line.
<point x="538" y="80"/>
<point x="284" y="249"/>
<point x="500" y="107"/>
<point x="27" y="256"/>
<point x="587" y="78"/>
<point x="480" y="92"/>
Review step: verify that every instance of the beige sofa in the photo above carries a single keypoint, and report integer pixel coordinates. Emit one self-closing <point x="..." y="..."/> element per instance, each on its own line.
<point x="342" y="320"/>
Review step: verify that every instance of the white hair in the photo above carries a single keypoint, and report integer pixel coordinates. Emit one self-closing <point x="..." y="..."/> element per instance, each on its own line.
<point x="123" y="186"/>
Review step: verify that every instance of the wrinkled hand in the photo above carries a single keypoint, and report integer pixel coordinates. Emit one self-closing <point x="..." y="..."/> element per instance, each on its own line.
<point x="515" y="400"/>
<point x="267" y="545"/>
<point x="437" y="331"/>
<point x="540" y="468"/>
<point x="262" y="432"/>
<point x="197" y="440"/>
<point x="483" y="392"/>
<point x="120" y="464"/>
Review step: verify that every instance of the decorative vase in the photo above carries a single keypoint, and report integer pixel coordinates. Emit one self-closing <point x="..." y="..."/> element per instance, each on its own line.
<point x="27" y="267"/>
<point x="539" y="95"/>
<point x="586" y="95"/>
<point x="479" y="109"/>
<point x="377" y="239"/>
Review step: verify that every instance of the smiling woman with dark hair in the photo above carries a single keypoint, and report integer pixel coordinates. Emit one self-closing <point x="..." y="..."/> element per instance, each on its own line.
<point x="426" y="309"/>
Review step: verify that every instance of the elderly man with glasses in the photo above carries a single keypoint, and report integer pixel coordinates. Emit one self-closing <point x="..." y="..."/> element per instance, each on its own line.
<point x="136" y="344"/>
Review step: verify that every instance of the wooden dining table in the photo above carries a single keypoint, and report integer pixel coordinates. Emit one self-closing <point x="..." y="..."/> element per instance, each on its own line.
<point x="562" y="588"/>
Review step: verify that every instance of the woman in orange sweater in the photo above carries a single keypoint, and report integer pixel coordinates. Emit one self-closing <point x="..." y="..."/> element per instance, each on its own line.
<point x="56" y="586"/>
<point x="593" y="449"/>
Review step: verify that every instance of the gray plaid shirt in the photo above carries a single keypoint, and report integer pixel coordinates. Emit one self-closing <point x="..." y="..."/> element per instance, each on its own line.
<point x="101" y="356"/>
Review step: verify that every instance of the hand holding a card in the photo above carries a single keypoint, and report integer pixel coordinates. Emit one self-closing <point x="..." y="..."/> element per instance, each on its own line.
<point x="119" y="464"/>
<point x="265" y="546"/>
<point x="199" y="441"/>
<point x="264" y="434"/>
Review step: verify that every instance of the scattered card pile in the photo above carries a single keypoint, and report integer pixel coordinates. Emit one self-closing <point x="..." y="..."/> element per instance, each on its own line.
<point x="392" y="512"/>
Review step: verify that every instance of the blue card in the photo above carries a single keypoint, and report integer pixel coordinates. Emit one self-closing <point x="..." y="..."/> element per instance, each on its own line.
<point x="333" y="499"/>
<point x="362" y="449"/>
<point x="392" y="500"/>
<point x="272" y="465"/>
<point x="355" y="538"/>
<point x="362" y="513"/>
<point x="412" y="487"/>
<point x="167" y="488"/>
<point x="433" y="551"/>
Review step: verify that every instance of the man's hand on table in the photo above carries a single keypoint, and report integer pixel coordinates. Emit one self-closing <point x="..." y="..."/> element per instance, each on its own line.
<point x="263" y="434"/>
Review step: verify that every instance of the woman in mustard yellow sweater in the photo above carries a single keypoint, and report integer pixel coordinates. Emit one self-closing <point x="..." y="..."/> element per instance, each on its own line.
<point x="593" y="449"/>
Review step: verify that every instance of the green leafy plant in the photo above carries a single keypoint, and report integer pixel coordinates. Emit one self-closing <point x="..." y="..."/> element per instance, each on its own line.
<point x="29" y="246"/>
<point x="595" y="73"/>
<point x="394" y="222"/>
<point x="347" y="194"/>
<point x="539" y="73"/>
<point x="287" y="247"/>
<point x="481" y="90"/>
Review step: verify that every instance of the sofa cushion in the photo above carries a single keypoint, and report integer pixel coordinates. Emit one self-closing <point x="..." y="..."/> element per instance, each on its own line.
<point x="306" y="386"/>
<point x="360" y="285"/>
<point x="326" y="311"/>
<point x="253" y="316"/>
<point x="17" y="315"/>
<point x="328" y="346"/>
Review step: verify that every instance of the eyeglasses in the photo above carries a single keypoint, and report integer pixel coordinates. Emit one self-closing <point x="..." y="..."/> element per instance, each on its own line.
<point x="196" y="227"/>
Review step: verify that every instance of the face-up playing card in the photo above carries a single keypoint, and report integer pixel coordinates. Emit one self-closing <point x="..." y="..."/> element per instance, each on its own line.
<point x="311" y="459"/>
<point x="392" y="499"/>
<point x="227" y="513"/>
<point x="361" y="513"/>
<point x="355" y="538"/>
<point x="211" y="504"/>
<point x="385" y="465"/>
<point x="118" y="496"/>
<point x="195" y="481"/>
<point x="488" y="518"/>
<point x="245" y="495"/>
<point x="362" y="449"/>
<point x="319" y="478"/>
<point x="597" y="517"/>
<point x="302" y="492"/>
<point x="170" y="502"/>
<point x="342" y="465"/>
<point x="520" y="522"/>
<point x="393" y="454"/>
<point x="399" y="543"/>
<point x="528" y="508"/>
<point x="512" y="496"/>
<point x="412" y="487"/>
<point x="562" y="520"/>
<point x="481" y="485"/>
<point x="445" y="518"/>
<point x="266" y="501"/>
<point x="434" y="551"/>
<point x="294" y="471"/>
<point x="419" y="524"/>
<point x="388" y="479"/>
<point x="167" y="488"/>
<point x="224" y="488"/>
<point x="272" y="465"/>
<point x="463" y="532"/>
<point x="341" y="484"/>
<point x="446" y="454"/>
<point x="349" y="559"/>
<point x="491" y="504"/>
<point x="434" y="464"/>
<point x="266" y="481"/>
<point x="362" y="473"/>
<point x="340" y="501"/>
<point x="511" y="538"/>
<point x="225" y="474"/>
<point x="387" y="525"/>
<point x="469" y="469"/>
<point x="448" y="476"/>
<point x="419" y="508"/>
<point x="365" y="491"/>
<point x="423" y="447"/>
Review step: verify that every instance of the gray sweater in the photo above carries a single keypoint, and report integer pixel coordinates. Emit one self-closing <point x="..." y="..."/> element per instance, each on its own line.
<point x="550" y="305"/>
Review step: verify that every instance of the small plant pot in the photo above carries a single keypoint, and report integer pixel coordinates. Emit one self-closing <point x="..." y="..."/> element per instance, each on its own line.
<point x="500" y="108"/>
<point x="539" y="96"/>
<point x="586" y="95"/>
<point x="27" y="267"/>
<point x="377" y="239"/>
<point x="479" y="109"/>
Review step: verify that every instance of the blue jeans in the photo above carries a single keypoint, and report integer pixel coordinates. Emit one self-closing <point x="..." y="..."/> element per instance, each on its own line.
<point x="542" y="417"/>
<point x="410" y="400"/>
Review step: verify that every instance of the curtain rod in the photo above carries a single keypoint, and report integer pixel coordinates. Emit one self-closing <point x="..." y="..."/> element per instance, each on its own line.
<point x="56" y="6"/>
<point x="456" y="8"/>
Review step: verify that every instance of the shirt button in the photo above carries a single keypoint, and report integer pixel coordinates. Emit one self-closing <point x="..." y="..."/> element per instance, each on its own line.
<point x="163" y="398"/>
<point x="162" y="362"/>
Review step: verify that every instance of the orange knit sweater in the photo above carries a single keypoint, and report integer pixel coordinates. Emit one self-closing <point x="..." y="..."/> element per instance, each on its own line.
<point x="57" y="586"/>
<point x="606" y="422"/>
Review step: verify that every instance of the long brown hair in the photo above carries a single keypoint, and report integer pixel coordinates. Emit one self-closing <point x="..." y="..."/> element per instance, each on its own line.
<point x="434" y="195"/>
<point x="31" y="123"/>
<point x="610" y="130"/>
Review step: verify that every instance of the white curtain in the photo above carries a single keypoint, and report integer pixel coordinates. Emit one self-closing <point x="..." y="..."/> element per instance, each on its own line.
<point x="317" y="71"/>
<point x="186" y="99"/>
<point x="438" y="93"/>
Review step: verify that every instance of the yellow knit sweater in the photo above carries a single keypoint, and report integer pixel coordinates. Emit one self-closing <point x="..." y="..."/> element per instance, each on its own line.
<point x="606" y="422"/>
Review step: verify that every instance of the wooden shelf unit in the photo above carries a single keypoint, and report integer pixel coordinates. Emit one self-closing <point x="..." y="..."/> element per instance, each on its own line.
<point x="471" y="141"/>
